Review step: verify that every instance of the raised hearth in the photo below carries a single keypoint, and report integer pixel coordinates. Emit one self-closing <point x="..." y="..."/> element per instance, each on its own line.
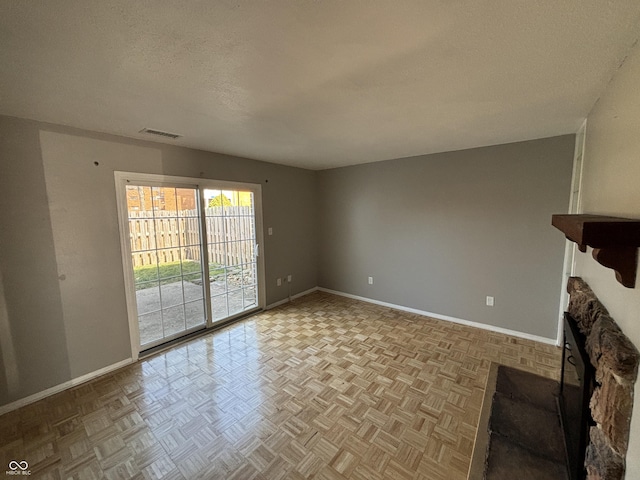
<point x="519" y="434"/>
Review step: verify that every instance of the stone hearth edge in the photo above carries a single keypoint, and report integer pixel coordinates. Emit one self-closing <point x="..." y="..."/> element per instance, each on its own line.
<point x="615" y="360"/>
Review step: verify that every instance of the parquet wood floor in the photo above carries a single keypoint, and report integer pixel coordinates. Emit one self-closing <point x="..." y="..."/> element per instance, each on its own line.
<point x="324" y="388"/>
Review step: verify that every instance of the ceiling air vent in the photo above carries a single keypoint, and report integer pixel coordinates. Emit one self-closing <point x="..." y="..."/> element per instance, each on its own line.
<point x="160" y="133"/>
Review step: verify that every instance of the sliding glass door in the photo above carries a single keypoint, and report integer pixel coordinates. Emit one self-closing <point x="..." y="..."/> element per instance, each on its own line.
<point x="192" y="255"/>
<point x="166" y="247"/>
<point x="231" y="246"/>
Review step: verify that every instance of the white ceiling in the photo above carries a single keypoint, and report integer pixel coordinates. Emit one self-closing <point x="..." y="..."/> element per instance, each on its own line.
<point x="314" y="83"/>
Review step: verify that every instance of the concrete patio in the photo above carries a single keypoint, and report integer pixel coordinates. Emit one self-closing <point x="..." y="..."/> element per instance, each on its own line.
<point x="184" y="307"/>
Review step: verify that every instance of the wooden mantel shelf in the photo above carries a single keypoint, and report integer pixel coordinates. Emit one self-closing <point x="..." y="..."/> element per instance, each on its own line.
<point x="614" y="240"/>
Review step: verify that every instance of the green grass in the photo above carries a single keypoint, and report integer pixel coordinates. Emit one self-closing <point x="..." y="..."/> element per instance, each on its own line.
<point x="165" y="272"/>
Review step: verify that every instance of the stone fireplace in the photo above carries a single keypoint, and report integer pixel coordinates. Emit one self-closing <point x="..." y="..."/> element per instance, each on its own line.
<point x="615" y="360"/>
<point x="520" y="408"/>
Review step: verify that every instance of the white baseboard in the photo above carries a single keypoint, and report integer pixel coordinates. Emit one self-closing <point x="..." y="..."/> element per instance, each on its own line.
<point x="63" y="386"/>
<point x="483" y="326"/>
<point x="293" y="297"/>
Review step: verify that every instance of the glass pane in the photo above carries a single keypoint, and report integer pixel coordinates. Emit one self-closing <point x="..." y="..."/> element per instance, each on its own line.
<point x="191" y="254"/>
<point x="215" y="210"/>
<point x="234" y="253"/>
<point x="192" y="290"/>
<point x="138" y="200"/>
<point x="250" y="298"/>
<point x="219" y="307"/>
<point x="190" y="231"/>
<point x="195" y="313"/>
<point x="228" y="201"/>
<point x="186" y="200"/>
<point x="168" y="262"/>
<point x="218" y="282"/>
<point x="245" y="199"/>
<point x="173" y="320"/>
<point x="195" y="277"/>
<point x="217" y="254"/>
<point x="170" y="203"/>
<point x="231" y="251"/>
<point x="248" y="251"/>
<point x="164" y="201"/>
<point x="215" y="229"/>
<point x="171" y="291"/>
<point x="150" y="327"/>
<point x="190" y="267"/>
<point x="148" y="297"/>
<point x="234" y="277"/>
<point x="246" y="231"/>
<point x="157" y="199"/>
<point x="217" y="200"/>
<point x="142" y="233"/>
<point x="145" y="266"/>
<point x="235" y="302"/>
<point x="167" y="232"/>
<point x="249" y="274"/>
<point x="217" y="273"/>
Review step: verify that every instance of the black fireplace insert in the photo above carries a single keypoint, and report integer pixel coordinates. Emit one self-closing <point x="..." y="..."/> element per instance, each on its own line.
<point x="577" y="382"/>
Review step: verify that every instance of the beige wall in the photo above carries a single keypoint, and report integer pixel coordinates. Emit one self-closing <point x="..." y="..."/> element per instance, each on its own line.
<point x="441" y="232"/>
<point x="611" y="186"/>
<point x="62" y="287"/>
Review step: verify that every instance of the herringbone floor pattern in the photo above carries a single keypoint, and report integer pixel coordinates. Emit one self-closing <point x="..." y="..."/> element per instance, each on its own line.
<point x="324" y="388"/>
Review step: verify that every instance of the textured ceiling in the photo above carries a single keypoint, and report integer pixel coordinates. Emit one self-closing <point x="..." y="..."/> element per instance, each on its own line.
<point x="311" y="83"/>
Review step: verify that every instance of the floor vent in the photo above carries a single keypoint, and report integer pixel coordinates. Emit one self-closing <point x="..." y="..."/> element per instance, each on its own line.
<point x="160" y="133"/>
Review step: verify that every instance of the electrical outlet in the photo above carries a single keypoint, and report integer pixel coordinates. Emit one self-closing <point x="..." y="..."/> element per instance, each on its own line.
<point x="489" y="301"/>
<point x="289" y="278"/>
<point x="278" y="282"/>
<point x="370" y="280"/>
<point x="270" y="231"/>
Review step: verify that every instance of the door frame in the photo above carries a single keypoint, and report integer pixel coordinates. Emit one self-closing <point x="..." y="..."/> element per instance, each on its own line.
<point x="121" y="181"/>
<point x="575" y="206"/>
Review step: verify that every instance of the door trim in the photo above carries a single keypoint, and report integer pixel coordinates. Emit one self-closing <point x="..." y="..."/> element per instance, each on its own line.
<point x="121" y="180"/>
<point x="575" y="206"/>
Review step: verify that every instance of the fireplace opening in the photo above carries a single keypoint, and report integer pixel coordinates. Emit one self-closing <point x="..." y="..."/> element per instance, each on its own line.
<point x="577" y="383"/>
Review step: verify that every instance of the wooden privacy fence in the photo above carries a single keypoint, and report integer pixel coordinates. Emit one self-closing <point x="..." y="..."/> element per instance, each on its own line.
<point x="169" y="236"/>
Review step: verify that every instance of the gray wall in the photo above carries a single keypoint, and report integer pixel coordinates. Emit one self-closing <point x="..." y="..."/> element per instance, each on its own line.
<point x="33" y="314"/>
<point x="63" y="294"/>
<point x="438" y="233"/>
<point x="611" y="186"/>
<point x="441" y="232"/>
